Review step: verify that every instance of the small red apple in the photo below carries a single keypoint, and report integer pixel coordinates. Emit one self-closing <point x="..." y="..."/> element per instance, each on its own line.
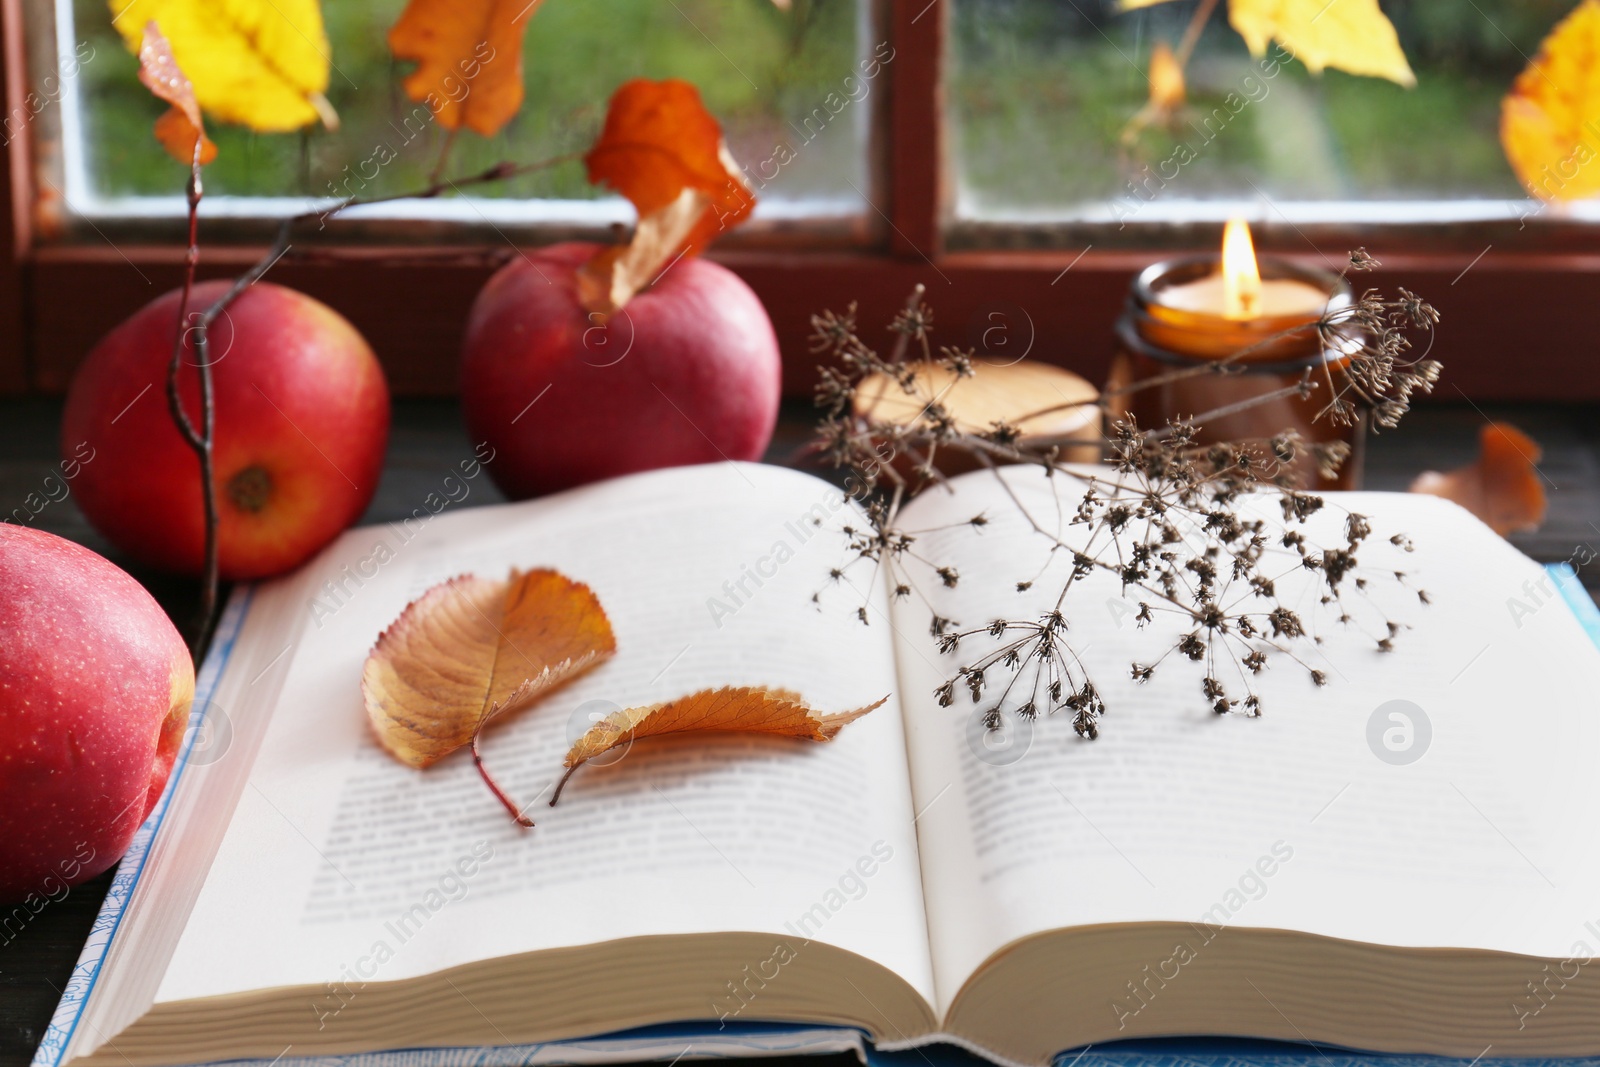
<point x="687" y="372"/>
<point x="95" y="687"/>
<point x="302" y="419"/>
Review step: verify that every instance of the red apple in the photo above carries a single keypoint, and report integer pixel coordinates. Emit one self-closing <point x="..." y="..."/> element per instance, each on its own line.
<point x="302" y="419"/>
<point x="687" y="372"/>
<point x="95" y="687"/>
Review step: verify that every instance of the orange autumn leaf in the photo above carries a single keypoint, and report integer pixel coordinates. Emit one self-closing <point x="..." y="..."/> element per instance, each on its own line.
<point x="1547" y="120"/>
<point x="1502" y="487"/>
<point x="469" y="59"/>
<point x="664" y="151"/>
<point x="1167" y="93"/>
<point x="732" y="709"/>
<point x="180" y="129"/>
<point x="471" y="650"/>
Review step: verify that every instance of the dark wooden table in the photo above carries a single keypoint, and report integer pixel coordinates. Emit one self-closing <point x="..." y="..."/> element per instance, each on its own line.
<point x="429" y="439"/>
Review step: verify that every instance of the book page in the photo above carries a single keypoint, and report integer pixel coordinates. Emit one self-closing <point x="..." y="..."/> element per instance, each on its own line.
<point x="341" y="866"/>
<point x="1437" y="795"/>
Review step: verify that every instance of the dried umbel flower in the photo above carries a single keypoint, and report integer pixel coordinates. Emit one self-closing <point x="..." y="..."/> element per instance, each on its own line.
<point x="1172" y="522"/>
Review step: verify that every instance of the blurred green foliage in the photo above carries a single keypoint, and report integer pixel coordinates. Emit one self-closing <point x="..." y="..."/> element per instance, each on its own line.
<point x="757" y="68"/>
<point x="1041" y="90"/>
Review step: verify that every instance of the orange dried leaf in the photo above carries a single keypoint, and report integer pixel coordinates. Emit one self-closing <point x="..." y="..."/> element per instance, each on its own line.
<point x="470" y="650"/>
<point x="1503" y="487"/>
<point x="1547" y="119"/>
<point x="180" y="129"/>
<point x="733" y="709"/>
<point x="1167" y="92"/>
<point x="662" y="150"/>
<point x="469" y="59"/>
<point x="177" y="135"/>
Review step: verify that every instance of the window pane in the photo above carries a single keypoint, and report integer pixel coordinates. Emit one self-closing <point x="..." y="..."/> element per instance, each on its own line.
<point x="1042" y="92"/>
<point x="761" y="70"/>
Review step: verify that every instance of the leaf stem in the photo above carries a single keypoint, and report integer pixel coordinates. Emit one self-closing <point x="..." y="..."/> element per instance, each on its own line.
<point x="563" y="784"/>
<point x="494" y="787"/>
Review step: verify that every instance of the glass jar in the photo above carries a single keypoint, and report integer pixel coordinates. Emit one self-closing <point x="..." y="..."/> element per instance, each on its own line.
<point x="1157" y="342"/>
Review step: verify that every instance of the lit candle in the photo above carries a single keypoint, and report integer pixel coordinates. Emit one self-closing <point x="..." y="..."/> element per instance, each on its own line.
<point x="1236" y="290"/>
<point x="1262" y="317"/>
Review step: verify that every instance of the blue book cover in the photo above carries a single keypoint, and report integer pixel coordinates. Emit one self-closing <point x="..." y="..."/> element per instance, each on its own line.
<point x="710" y="1040"/>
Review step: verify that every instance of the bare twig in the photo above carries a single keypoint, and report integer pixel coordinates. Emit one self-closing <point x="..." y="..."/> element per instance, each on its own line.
<point x="199" y="335"/>
<point x="199" y="440"/>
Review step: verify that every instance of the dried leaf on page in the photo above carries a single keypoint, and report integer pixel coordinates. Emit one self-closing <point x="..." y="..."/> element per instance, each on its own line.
<point x="732" y="709"/>
<point x="471" y="650"/>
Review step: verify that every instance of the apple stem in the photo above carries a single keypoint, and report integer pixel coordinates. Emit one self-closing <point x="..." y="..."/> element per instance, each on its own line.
<point x="494" y="787"/>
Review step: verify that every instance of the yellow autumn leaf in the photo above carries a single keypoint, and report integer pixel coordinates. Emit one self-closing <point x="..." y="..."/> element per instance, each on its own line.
<point x="733" y="709"/>
<point x="470" y="650"/>
<point x="259" y="63"/>
<point x="1354" y="36"/>
<point x="1548" y="120"/>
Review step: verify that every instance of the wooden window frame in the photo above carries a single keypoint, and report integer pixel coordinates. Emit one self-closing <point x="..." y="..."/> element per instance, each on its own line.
<point x="1519" y="303"/>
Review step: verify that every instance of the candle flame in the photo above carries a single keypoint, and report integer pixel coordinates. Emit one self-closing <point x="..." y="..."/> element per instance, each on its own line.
<point x="1241" y="277"/>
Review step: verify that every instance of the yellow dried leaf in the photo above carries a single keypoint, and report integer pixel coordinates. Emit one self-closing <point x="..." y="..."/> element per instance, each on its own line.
<point x="180" y="127"/>
<point x="734" y="709"/>
<point x="260" y="63"/>
<point x="1547" y="120"/>
<point x="1352" y="35"/>
<point x="469" y="59"/>
<point x="470" y="650"/>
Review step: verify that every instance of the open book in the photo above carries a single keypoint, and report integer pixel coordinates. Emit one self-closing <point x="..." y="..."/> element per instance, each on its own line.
<point x="1299" y="876"/>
